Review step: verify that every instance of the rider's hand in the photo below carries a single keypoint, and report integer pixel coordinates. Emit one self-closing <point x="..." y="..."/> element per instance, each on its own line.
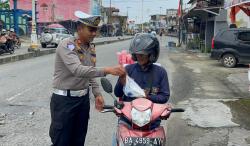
<point x="116" y="70"/>
<point x="99" y="103"/>
<point x="169" y="106"/>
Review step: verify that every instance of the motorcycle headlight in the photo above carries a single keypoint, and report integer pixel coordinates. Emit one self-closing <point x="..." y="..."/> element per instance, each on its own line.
<point x="141" y="118"/>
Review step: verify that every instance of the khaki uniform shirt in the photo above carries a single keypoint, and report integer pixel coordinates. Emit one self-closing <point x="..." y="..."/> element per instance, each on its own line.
<point x="75" y="66"/>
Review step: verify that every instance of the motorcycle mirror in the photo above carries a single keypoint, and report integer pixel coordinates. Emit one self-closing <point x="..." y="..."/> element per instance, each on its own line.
<point x="106" y="85"/>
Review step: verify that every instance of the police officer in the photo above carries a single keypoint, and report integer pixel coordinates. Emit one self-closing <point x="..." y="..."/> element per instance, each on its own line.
<point x="74" y="71"/>
<point x="149" y="75"/>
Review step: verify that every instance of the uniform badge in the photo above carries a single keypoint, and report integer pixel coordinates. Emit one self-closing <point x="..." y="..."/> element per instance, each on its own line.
<point x="93" y="50"/>
<point x="71" y="46"/>
<point x="93" y="53"/>
<point x="155" y="90"/>
<point x="93" y="59"/>
<point x="97" y="21"/>
<point x="81" y="56"/>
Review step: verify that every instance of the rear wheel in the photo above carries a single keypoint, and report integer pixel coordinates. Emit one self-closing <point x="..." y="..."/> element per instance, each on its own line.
<point x="44" y="45"/>
<point x="229" y="60"/>
<point x="12" y="50"/>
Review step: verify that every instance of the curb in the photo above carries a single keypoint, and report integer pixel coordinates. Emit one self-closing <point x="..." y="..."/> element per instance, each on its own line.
<point x="29" y="55"/>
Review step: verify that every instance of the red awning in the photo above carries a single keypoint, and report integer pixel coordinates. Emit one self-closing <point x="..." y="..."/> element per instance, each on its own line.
<point x="236" y="6"/>
<point x="55" y="26"/>
<point x="233" y="3"/>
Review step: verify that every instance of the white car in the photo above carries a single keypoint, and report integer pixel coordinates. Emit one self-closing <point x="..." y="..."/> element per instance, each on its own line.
<point x="53" y="36"/>
<point x="153" y="33"/>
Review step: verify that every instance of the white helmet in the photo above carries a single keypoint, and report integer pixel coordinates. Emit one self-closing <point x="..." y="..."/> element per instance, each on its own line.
<point x="3" y="30"/>
<point x="12" y="30"/>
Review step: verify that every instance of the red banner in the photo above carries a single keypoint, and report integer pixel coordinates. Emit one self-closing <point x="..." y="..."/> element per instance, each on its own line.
<point x="179" y="9"/>
<point x="56" y="10"/>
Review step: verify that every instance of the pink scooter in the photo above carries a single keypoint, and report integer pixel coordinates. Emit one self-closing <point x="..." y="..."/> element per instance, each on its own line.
<point x="141" y="112"/>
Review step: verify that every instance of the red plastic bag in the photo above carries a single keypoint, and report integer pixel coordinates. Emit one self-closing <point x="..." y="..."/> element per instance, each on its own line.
<point x="124" y="58"/>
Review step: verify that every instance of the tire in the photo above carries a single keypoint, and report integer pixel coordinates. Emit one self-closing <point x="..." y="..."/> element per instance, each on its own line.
<point x="229" y="60"/>
<point x="16" y="47"/>
<point x="11" y="47"/>
<point x="12" y="51"/>
<point x="48" y="37"/>
<point x="43" y="45"/>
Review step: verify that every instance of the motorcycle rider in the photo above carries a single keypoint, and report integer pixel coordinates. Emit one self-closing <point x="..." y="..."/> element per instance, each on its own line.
<point x="4" y="33"/>
<point x="3" y="39"/>
<point x="12" y="34"/>
<point x="146" y="73"/>
<point x="14" y="37"/>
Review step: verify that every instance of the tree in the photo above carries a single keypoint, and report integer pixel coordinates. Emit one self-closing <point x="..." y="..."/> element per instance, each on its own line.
<point x="5" y="4"/>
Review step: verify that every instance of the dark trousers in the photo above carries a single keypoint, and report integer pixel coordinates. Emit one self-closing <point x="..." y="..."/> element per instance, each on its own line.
<point x="69" y="120"/>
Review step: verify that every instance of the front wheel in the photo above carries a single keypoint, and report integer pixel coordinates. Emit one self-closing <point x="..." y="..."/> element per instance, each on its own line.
<point x="12" y="50"/>
<point x="229" y="60"/>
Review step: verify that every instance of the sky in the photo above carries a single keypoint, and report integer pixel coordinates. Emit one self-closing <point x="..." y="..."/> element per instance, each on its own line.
<point x="150" y="7"/>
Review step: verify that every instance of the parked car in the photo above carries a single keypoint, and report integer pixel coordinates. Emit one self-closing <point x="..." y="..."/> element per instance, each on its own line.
<point x="52" y="36"/>
<point x="153" y="33"/>
<point x="232" y="46"/>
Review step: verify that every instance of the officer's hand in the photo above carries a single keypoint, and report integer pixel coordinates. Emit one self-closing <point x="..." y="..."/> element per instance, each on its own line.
<point x="116" y="71"/>
<point x="146" y="93"/>
<point x="122" y="79"/>
<point x="99" y="103"/>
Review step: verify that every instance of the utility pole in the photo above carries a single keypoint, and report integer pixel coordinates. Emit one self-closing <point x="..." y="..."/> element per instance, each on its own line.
<point x="109" y="20"/>
<point x="34" y="44"/>
<point x="15" y="18"/>
<point x="142" y="15"/>
<point x="127" y="25"/>
<point x="110" y="13"/>
<point x="180" y="23"/>
<point x="53" y="12"/>
<point x="127" y="10"/>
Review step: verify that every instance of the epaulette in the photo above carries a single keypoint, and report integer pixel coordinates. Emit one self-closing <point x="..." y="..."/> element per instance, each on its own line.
<point x="92" y="45"/>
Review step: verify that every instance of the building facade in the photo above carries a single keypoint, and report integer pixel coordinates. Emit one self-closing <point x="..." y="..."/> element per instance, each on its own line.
<point x="202" y="20"/>
<point x="157" y="22"/>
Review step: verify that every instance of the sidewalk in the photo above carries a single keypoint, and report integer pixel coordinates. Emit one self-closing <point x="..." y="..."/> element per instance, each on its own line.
<point x="22" y="53"/>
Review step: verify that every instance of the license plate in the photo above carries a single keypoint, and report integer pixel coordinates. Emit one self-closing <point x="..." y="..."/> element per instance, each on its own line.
<point x="142" y="141"/>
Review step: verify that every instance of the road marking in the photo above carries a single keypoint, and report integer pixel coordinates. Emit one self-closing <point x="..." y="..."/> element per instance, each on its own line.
<point x="18" y="94"/>
<point x="24" y="91"/>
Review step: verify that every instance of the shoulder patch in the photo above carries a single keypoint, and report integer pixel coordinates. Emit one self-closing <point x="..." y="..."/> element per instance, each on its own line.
<point x="92" y="44"/>
<point x="71" y="46"/>
<point x="158" y="64"/>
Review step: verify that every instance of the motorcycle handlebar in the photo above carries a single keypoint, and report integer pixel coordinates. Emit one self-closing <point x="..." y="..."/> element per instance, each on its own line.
<point x="108" y="107"/>
<point x="177" y="110"/>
